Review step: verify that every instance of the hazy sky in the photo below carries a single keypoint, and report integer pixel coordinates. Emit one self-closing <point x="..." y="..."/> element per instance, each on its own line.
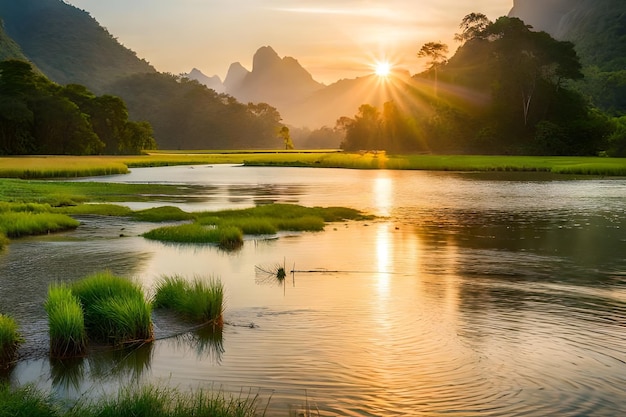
<point x="331" y="39"/>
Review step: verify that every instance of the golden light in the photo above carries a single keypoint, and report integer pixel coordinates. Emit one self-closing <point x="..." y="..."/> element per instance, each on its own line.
<point x="382" y="68"/>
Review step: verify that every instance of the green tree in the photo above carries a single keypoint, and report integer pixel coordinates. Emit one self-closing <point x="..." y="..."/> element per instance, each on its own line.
<point x="437" y="52"/>
<point x="137" y="136"/>
<point x="62" y="129"/>
<point x="364" y="131"/>
<point x="472" y="27"/>
<point x="286" y="137"/>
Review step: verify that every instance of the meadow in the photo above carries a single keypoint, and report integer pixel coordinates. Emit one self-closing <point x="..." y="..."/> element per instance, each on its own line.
<point x="31" y="167"/>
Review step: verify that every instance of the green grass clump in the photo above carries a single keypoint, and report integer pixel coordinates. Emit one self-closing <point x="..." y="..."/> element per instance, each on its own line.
<point x="24" y="207"/>
<point x="27" y="402"/>
<point x="225" y="237"/>
<point x="162" y="214"/>
<point x="115" y="309"/>
<point x="142" y="401"/>
<point x="250" y="226"/>
<point x="156" y="401"/>
<point x="301" y="224"/>
<point x="10" y="339"/>
<point x="17" y="224"/>
<point x="122" y="320"/>
<point x="68" y="337"/>
<point x="198" y="301"/>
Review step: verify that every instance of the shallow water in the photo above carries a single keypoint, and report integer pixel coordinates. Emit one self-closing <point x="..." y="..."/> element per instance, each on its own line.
<point x="473" y="294"/>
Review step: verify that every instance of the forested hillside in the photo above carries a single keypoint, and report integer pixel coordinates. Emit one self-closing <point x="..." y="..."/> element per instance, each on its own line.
<point x="507" y="90"/>
<point x="70" y="47"/>
<point x="8" y="48"/>
<point x="598" y="30"/>
<point x="38" y="116"/>
<point x="67" y="44"/>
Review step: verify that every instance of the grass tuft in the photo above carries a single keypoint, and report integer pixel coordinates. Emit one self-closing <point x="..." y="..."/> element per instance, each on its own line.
<point x="10" y="339"/>
<point x="135" y="401"/>
<point x="199" y="301"/>
<point x="17" y="224"/>
<point x="162" y="214"/>
<point x="27" y="402"/>
<point x="226" y="237"/>
<point x="115" y="309"/>
<point x="68" y="337"/>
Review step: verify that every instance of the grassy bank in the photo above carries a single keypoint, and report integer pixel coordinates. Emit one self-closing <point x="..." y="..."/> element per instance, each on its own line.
<point x="63" y="167"/>
<point x="144" y="401"/>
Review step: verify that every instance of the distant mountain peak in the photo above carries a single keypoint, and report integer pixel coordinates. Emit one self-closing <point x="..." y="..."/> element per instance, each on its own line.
<point x="213" y="82"/>
<point x="265" y="57"/>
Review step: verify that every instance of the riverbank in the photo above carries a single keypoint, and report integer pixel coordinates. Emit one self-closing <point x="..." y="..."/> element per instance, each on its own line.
<point x="30" y="167"/>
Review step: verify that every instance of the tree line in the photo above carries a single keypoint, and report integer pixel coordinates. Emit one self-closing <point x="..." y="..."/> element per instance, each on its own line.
<point x="38" y="116"/>
<point x="507" y="90"/>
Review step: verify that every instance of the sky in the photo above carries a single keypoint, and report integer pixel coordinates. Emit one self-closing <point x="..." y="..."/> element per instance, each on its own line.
<point x="332" y="39"/>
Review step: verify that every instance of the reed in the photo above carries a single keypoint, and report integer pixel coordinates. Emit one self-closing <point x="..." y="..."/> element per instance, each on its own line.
<point x="66" y="321"/>
<point x="199" y="301"/>
<point x="225" y="237"/>
<point x="17" y="224"/>
<point x="10" y="340"/>
<point x="115" y="309"/>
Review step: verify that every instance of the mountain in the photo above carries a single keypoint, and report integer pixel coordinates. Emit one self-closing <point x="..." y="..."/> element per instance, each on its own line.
<point x="214" y="82"/>
<point x="302" y="101"/>
<point x="67" y="44"/>
<point x="9" y="49"/>
<point x="274" y="80"/>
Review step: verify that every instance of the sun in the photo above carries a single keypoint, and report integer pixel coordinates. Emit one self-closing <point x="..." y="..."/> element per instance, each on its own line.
<point x="382" y="68"/>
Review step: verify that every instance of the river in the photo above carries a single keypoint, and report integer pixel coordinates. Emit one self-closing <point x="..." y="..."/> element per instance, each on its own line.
<point x="471" y="294"/>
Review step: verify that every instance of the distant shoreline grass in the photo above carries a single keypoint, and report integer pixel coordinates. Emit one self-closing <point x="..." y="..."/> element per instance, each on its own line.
<point x="32" y="167"/>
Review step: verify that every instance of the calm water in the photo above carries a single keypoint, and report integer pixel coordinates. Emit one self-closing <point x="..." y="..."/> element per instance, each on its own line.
<point x="473" y="294"/>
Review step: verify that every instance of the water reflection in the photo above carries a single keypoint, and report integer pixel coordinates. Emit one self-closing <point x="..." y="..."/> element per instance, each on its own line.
<point x="475" y="295"/>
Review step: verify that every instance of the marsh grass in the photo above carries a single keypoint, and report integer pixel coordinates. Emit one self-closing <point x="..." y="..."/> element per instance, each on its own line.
<point x="94" y="209"/>
<point x="27" y="402"/>
<point x="10" y="339"/>
<point x="68" y="337"/>
<point x="134" y="401"/>
<point x="60" y="166"/>
<point x="122" y="320"/>
<point x="200" y="301"/>
<point x="17" y="224"/>
<point x="59" y="193"/>
<point x="162" y="214"/>
<point x="249" y="226"/>
<point x="226" y="237"/>
<point x="115" y="309"/>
